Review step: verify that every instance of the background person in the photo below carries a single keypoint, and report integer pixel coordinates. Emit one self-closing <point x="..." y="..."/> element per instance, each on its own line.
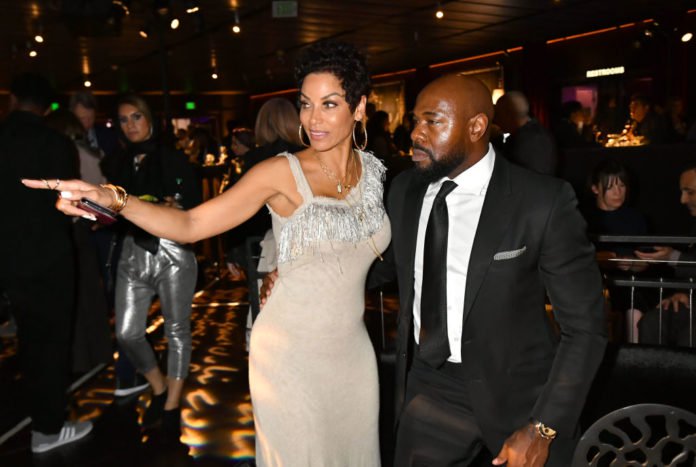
<point x="150" y="265"/>
<point x="37" y="270"/>
<point x="676" y="329"/>
<point x="529" y="144"/>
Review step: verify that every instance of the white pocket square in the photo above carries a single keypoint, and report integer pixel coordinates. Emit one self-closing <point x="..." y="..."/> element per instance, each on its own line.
<point x="502" y="255"/>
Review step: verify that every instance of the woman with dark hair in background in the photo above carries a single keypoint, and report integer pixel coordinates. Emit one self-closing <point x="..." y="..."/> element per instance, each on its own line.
<point x="312" y="367"/>
<point x="610" y="215"/>
<point x="150" y="265"/>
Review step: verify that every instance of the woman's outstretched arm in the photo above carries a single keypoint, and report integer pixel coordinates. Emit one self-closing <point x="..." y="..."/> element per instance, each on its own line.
<point x="268" y="182"/>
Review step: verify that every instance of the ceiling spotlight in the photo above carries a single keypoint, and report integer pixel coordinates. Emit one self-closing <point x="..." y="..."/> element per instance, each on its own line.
<point x="33" y="53"/>
<point x="214" y="75"/>
<point x="88" y="83"/>
<point x="143" y="33"/>
<point x="686" y="37"/>
<point x="192" y="6"/>
<point x="39" y="38"/>
<point x="236" y="28"/>
<point x="439" y="14"/>
<point x="648" y="33"/>
<point x="174" y="24"/>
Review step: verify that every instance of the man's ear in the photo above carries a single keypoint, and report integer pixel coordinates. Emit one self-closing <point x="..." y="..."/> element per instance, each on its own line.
<point x="478" y="126"/>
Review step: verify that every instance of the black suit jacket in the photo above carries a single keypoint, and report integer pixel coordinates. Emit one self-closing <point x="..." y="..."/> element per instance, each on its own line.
<point x="34" y="235"/>
<point x="517" y="366"/>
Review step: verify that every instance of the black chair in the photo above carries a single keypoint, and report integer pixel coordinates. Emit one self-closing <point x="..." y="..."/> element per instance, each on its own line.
<point x="640" y="435"/>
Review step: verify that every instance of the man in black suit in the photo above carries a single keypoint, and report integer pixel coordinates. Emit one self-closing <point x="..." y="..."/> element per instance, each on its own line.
<point x="479" y="362"/>
<point x="37" y="267"/>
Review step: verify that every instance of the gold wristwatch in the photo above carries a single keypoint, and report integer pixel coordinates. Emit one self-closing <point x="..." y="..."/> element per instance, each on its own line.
<point x="544" y="431"/>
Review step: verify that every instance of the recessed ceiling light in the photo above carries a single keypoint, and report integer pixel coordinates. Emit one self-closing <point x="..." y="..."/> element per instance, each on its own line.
<point x="686" y="37"/>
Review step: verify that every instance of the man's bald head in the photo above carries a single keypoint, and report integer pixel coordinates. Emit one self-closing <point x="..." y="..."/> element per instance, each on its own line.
<point x="469" y="94"/>
<point x="511" y="111"/>
<point x="452" y="117"/>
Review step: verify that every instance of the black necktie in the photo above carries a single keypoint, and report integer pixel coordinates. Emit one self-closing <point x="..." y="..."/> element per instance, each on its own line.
<point x="433" y="342"/>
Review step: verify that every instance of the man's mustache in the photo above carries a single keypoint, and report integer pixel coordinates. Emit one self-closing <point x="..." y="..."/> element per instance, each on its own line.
<point x="421" y="148"/>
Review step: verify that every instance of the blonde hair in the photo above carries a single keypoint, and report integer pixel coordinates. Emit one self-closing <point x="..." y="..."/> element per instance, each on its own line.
<point x="277" y="118"/>
<point x="139" y="103"/>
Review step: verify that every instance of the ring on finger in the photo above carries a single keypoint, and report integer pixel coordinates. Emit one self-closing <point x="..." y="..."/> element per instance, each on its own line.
<point x="46" y="182"/>
<point x="57" y="184"/>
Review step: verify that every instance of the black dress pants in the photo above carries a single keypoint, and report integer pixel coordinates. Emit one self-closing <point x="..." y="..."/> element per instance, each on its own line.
<point x="43" y="306"/>
<point x="437" y="427"/>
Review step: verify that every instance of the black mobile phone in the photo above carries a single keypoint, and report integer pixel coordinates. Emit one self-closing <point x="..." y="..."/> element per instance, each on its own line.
<point x="104" y="215"/>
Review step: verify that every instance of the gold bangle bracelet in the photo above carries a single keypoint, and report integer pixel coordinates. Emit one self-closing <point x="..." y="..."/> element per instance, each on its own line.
<point x="120" y="197"/>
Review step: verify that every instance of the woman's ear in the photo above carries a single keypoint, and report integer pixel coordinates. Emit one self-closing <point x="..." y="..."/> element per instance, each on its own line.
<point x="359" y="113"/>
<point x="595" y="189"/>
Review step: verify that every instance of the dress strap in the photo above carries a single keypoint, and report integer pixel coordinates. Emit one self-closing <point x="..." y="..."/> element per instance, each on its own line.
<point x="300" y="179"/>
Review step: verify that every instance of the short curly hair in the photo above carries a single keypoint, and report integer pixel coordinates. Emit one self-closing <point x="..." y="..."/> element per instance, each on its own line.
<point x="342" y="60"/>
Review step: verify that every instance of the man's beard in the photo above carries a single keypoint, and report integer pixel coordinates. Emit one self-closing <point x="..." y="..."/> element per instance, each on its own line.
<point x="438" y="169"/>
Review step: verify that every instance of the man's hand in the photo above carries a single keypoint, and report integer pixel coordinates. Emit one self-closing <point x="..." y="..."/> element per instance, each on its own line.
<point x="267" y="286"/>
<point x="661" y="253"/>
<point x="675" y="300"/>
<point x="524" y="448"/>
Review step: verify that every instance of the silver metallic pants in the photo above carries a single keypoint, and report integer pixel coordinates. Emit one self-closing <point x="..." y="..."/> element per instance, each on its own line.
<point x="171" y="275"/>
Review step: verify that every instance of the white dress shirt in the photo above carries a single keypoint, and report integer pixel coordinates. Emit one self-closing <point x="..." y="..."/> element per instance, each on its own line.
<point x="464" y="205"/>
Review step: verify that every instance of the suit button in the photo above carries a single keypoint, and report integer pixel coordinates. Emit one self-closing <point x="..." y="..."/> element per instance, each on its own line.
<point x="403" y="354"/>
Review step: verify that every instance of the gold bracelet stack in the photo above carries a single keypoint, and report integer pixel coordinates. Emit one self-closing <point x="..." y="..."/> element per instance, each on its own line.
<point x="120" y="197"/>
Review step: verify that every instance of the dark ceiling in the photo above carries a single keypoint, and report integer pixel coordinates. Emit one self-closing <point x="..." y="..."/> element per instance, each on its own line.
<point x="97" y="38"/>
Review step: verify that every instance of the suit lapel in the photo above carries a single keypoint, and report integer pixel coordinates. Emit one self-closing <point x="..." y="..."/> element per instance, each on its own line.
<point x="492" y="226"/>
<point x="413" y="204"/>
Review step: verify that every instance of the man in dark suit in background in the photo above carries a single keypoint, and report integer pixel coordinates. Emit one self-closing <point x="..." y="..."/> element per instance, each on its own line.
<point x="529" y="144"/>
<point x="478" y="361"/>
<point x="37" y="266"/>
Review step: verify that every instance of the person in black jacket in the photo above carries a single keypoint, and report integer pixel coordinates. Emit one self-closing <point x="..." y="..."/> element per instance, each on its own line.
<point x="37" y="270"/>
<point x="151" y="266"/>
<point x="676" y="326"/>
<point x="529" y="144"/>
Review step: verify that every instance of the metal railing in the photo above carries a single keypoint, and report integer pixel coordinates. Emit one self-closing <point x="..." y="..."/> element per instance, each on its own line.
<point x="659" y="283"/>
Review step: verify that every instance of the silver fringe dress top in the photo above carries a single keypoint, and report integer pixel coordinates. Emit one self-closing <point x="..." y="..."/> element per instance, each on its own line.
<point x="353" y="219"/>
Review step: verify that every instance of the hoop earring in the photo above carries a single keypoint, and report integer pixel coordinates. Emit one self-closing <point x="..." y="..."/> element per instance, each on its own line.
<point x="300" y="133"/>
<point x="355" y="141"/>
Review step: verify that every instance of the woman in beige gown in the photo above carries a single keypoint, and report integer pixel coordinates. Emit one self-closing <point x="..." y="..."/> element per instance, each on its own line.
<point x="312" y="368"/>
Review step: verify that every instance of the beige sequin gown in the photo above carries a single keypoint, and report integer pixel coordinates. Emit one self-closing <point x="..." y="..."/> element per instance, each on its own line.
<point x="312" y="368"/>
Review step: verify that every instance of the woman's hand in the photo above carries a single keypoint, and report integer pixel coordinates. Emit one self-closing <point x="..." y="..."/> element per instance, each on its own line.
<point x="71" y="192"/>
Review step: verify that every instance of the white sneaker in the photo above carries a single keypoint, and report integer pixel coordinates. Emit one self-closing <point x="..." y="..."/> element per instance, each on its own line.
<point x="71" y="431"/>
